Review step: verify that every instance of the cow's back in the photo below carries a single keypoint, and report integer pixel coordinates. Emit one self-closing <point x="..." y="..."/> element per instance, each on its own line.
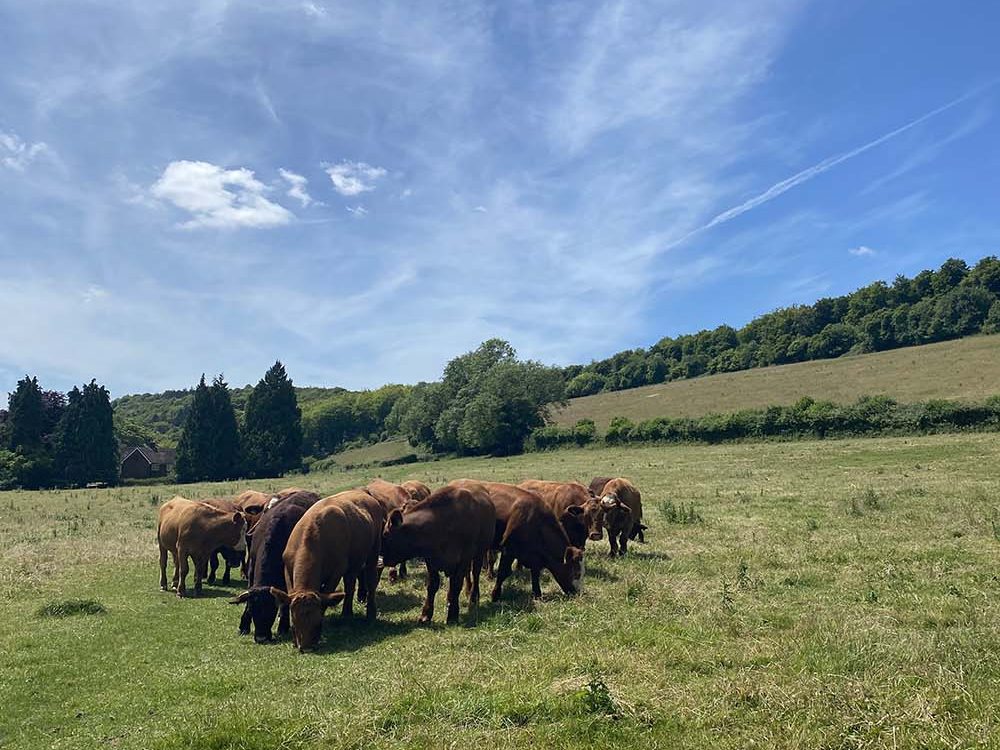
<point x="390" y="495"/>
<point x="270" y="537"/>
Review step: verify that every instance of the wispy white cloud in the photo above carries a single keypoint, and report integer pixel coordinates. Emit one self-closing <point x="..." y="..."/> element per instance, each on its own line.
<point x="351" y="178"/>
<point x="297" y="187"/>
<point x="358" y="211"/>
<point x="861" y="251"/>
<point x="17" y="154"/>
<point x="217" y="197"/>
<point x="817" y="169"/>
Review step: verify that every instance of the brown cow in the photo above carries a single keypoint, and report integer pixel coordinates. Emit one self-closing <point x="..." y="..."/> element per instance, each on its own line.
<point x="392" y="496"/>
<point x="233" y="558"/>
<point x="187" y="528"/>
<point x="537" y="540"/>
<point x="503" y="496"/>
<point x="252" y="501"/>
<point x="451" y="529"/>
<point x="621" y="514"/>
<point x="336" y="540"/>
<point x="571" y="502"/>
<point x="417" y="489"/>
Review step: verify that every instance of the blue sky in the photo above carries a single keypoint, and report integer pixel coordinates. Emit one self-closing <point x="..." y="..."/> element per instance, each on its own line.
<point x="365" y="190"/>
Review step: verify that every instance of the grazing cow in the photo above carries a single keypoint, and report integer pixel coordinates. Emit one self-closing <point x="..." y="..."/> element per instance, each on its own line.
<point x="572" y="504"/>
<point x="621" y="514"/>
<point x="186" y="528"/>
<point x="451" y="529"/>
<point x="232" y="557"/>
<point x="336" y="540"/>
<point x="303" y="498"/>
<point x="535" y="538"/>
<point x="418" y="490"/>
<point x="392" y="496"/>
<point x="503" y="496"/>
<point x="267" y="570"/>
<point x="252" y="501"/>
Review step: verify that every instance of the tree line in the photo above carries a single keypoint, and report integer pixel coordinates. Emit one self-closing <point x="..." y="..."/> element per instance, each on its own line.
<point x="948" y="303"/>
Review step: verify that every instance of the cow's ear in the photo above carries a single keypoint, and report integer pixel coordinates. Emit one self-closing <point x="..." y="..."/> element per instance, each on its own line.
<point x="572" y="555"/>
<point x="279" y="596"/>
<point x="395" y="518"/>
<point x="334" y="597"/>
<point x="575" y="510"/>
<point x="241" y="598"/>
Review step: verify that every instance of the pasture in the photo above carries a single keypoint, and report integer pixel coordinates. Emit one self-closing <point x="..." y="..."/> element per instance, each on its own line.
<point x="835" y="594"/>
<point x="966" y="368"/>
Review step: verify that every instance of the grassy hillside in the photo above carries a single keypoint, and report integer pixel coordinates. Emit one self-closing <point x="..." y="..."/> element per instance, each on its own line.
<point x="966" y="368"/>
<point x="836" y="594"/>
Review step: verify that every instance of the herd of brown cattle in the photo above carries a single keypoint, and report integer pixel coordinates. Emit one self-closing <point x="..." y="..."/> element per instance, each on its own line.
<point x="295" y="549"/>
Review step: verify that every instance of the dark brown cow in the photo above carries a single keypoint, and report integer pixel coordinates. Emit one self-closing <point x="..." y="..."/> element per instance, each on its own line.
<point x="451" y="529"/>
<point x="267" y="570"/>
<point x="187" y="528"/>
<point x="418" y="490"/>
<point x="621" y="514"/>
<point x="336" y="540"/>
<point x="571" y="502"/>
<point x="304" y="498"/>
<point x="536" y="539"/>
<point x="503" y="496"/>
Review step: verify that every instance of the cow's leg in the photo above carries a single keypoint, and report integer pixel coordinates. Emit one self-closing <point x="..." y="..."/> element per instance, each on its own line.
<point x="455" y="581"/>
<point x="350" y="581"/>
<point x="477" y="571"/>
<point x="503" y="572"/>
<point x="536" y="583"/>
<point x="402" y="570"/>
<point x="225" y="576"/>
<point x="163" y="568"/>
<point x="173" y="555"/>
<point x="213" y="566"/>
<point x="371" y="574"/>
<point x="623" y="548"/>
<point x="613" y="542"/>
<point x="200" y="569"/>
<point x="363" y="586"/>
<point x="491" y="561"/>
<point x="433" y="584"/>
<point x="182" y="571"/>
<point x="284" y="621"/>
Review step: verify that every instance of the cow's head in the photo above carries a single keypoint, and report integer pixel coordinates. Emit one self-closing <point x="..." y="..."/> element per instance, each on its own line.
<point x="574" y="522"/>
<point x="262" y="607"/>
<point x="570" y="578"/>
<point x="393" y="539"/>
<point x="613" y="513"/>
<point x="306" y="609"/>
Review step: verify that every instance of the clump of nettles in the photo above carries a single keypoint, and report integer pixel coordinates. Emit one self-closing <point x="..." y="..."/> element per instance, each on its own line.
<point x="680" y="513"/>
<point x="70" y="607"/>
<point x="596" y="699"/>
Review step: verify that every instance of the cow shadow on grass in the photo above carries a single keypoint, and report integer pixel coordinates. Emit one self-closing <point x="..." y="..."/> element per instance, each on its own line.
<point x="597" y="571"/>
<point x="348" y="634"/>
<point x="397" y="599"/>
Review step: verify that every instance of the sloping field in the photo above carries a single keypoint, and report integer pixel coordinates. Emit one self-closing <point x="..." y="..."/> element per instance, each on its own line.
<point x="838" y="594"/>
<point x="963" y="369"/>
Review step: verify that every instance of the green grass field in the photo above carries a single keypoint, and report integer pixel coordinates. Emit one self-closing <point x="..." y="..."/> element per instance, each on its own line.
<point x="838" y="594"/>
<point x="962" y="369"/>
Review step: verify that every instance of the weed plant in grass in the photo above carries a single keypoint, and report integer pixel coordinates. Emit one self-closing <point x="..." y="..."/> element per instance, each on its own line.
<point x="779" y="620"/>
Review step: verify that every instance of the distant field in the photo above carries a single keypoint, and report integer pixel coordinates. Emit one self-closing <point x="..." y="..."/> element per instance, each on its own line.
<point x="963" y="369"/>
<point x="371" y="454"/>
<point x="838" y="594"/>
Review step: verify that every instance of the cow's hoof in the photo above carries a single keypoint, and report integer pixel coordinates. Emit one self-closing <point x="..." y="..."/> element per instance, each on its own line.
<point x="424" y="619"/>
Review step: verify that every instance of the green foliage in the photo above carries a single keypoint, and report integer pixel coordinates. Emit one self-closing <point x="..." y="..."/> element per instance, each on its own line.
<point x="869" y="415"/>
<point x="329" y="424"/>
<point x="24" y="417"/>
<point x="951" y="302"/>
<point x="86" y="449"/>
<point x="272" y="430"/>
<point x="553" y="436"/>
<point x="487" y="403"/>
<point x="209" y="447"/>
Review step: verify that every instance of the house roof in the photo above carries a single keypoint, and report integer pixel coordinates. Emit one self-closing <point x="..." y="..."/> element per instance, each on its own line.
<point x="166" y="456"/>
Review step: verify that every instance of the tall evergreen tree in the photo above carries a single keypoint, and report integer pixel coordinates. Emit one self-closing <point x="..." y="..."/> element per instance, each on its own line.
<point x="224" y="459"/>
<point x="85" y="444"/>
<point x="272" y="431"/>
<point x="195" y="445"/>
<point x="25" y="416"/>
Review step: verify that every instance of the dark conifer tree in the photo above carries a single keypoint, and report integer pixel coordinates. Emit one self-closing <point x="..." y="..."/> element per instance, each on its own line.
<point x="195" y="445"/>
<point x="224" y="460"/>
<point x="85" y="445"/>
<point x="25" y="417"/>
<point x="272" y="432"/>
